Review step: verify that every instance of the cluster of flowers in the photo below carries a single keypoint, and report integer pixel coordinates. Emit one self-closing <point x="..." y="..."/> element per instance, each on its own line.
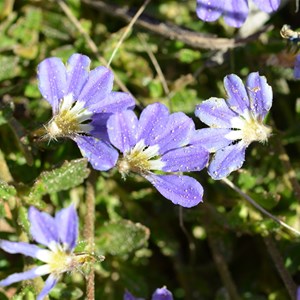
<point x="158" y="145"/>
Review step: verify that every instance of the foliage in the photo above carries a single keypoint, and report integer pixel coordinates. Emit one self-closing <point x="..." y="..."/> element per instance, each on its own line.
<point x="148" y="242"/>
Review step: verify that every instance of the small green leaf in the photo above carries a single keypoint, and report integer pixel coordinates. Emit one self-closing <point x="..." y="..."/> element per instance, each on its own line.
<point x="121" y="237"/>
<point x="6" y="190"/>
<point x="188" y="55"/>
<point x="9" y="67"/>
<point x="246" y="180"/>
<point x="61" y="291"/>
<point x="69" y="175"/>
<point x="23" y="219"/>
<point x="6" y="113"/>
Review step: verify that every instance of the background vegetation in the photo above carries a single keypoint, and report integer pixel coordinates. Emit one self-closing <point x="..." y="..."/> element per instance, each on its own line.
<point x="222" y="249"/>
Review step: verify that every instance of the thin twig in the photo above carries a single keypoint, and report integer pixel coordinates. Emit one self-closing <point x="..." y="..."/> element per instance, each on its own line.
<point x="222" y="267"/>
<point x="171" y="31"/>
<point x="129" y="26"/>
<point x="261" y="209"/>
<point x="90" y="43"/>
<point x="89" y="232"/>
<point x="155" y="64"/>
<point x="192" y="245"/>
<point x="279" y="263"/>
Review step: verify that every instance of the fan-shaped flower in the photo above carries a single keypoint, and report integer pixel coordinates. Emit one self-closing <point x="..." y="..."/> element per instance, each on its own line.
<point x="59" y="234"/>
<point x="235" y="123"/>
<point x="82" y="101"/>
<point x="235" y="12"/>
<point x="159" y="141"/>
<point x="159" y="294"/>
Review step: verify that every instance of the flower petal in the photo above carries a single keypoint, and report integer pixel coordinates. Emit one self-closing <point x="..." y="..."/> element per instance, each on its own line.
<point x="235" y="12"/>
<point x="99" y="125"/>
<point x="209" y="10"/>
<point x="215" y="112"/>
<point x="43" y="228"/>
<point x="114" y="102"/>
<point x="187" y="159"/>
<point x="67" y="226"/>
<point x="152" y="122"/>
<point x="260" y="94"/>
<point x="238" y="99"/>
<point x="49" y="285"/>
<point x="100" y="154"/>
<point x="52" y="81"/>
<point x="227" y="160"/>
<point x="77" y="73"/>
<point x="25" y="249"/>
<point x="122" y="130"/>
<point x="129" y="296"/>
<point x="297" y="67"/>
<point x="162" y="294"/>
<point x="183" y="190"/>
<point x="267" y="6"/>
<point x="97" y="87"/>
<point x="30" y="274"/>
<point x="177" y="132"/>
<point x="212" y="139"/>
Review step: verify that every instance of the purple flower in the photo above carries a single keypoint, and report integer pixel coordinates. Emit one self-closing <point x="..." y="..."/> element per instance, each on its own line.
<point x="82" y="101"/>
<point x="59" y="234"/>
<point x="235" y="12"/>
<point x="235" y="123"/>
<point x="159" y="141"/>
<point x="159" y="294"/>
<point x="297" y="67"/>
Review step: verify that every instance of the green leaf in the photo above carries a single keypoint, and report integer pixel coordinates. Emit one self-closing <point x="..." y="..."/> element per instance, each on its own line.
<point x="62" y="291"/>
<point x="6" y="113"/>
<point x="121" y="237"/>
<point x="9" y="67"/>
<point x="188" y="55"/>
<point x="6" y="190"/>
<point x="23" y="219"/>
<point x="246" y="180"/>
<point x="69" y="175"/>
<point x="26" y="29"/>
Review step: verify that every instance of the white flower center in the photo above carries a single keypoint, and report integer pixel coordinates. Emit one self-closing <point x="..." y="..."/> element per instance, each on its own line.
<point x="70" y="119"/>
<point x="249" y="130"/>
<point x="140" y="159"/>
<point x="60" y="261"/>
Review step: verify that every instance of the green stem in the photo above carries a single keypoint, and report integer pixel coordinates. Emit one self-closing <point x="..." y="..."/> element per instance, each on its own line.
<point x="222" y="267"/>
<point x="89" y="231"/>
<point x="279" y="264"/>
<point x="261" y="209"/>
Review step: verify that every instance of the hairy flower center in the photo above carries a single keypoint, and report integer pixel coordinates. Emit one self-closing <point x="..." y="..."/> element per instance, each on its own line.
<point x="70" y="119"/>
<point x="60" y="261"/>
<point x="140" y="159"/>
<point x="254" y="130"/>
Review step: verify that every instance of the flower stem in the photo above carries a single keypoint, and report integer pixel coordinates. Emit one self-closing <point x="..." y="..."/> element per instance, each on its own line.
<point x="279" y="263"/>
<point x="256" y="205"/>
<point x="129" y="26"/>
<point x="89" y="231"/>
<point x="222" y="267"/>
